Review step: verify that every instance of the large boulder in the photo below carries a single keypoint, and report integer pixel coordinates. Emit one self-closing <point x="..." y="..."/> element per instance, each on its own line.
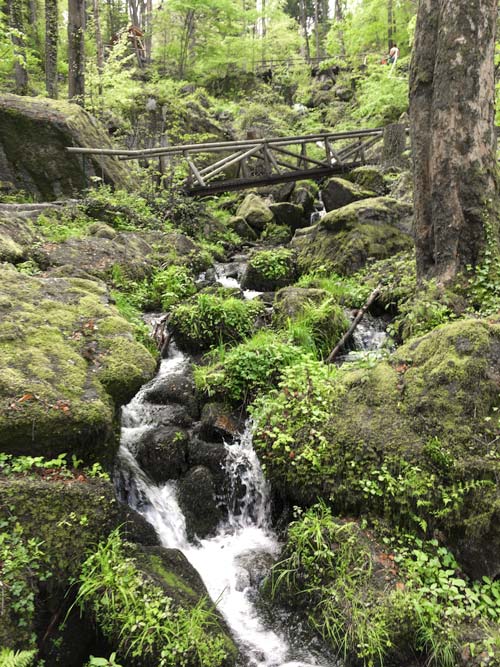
<point x="34" y="135"/>
<point x="255" y="212"/>
<point x="198" y="500"/>
<point x="162" y="453"/>
<point x="291" y="215"/>
<point x="413" y="439"/>
<point x="346" y="239"/>
<point x="369" y="178"/>
<point x="338" y="192"/>
<point x="291" y="301"/>
<point x="68" y="360"/>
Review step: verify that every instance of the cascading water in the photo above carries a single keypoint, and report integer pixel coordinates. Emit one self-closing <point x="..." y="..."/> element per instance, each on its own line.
<point x="245" y="537"/>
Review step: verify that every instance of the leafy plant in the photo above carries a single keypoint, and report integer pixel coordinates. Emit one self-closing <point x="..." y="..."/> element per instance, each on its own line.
<point x="273" y="264"/>
<point x="137" y="615"/>
<point x="10" y="658"/>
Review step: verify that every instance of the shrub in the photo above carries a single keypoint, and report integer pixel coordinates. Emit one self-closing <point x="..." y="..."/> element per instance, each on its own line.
<point x="173" y="285"/>
<point x="252" y="367"/>
<point x="272" y="264"/>
<point x="206" y="320"/>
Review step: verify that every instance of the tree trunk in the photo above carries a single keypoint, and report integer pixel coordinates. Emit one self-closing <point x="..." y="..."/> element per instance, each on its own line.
<point x="303" y="21"/>
<point x="98" y="43"/>
<point x="51" y="43"/>
<point x="452" y="133"/>
<point x="149" y="30"/>
<point x="338" y="12"/>
<point x="390" y="23"/>
<point x="76" y="50"/>
<point x="15" y="9"/>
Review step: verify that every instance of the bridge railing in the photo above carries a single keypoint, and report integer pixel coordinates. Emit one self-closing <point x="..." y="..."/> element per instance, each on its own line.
<point x="261" y="159"/>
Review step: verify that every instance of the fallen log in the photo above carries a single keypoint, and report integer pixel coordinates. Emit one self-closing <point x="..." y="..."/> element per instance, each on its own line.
<point x="359" y="316"/>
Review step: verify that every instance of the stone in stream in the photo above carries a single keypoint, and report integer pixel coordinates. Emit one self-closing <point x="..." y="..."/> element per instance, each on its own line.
<point x="176" y="388"/>
<point x="197" y="499"/>
<point x="218" y="422"/>
<point x="162" y="453"/>
<point x="269" y="270"/>
<point x="304" y="195"/>
<point x="338" y="192"/>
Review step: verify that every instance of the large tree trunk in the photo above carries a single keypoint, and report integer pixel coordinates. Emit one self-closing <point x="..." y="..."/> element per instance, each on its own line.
<point x="16" y="19"/>
<point x="99" y="45"/>
<point x="452" y="133"/>
<point x="390" y="23"/>
<point x="149" y="30"/>
<point x="51" y="40"/>
<point x="76" y="50"/>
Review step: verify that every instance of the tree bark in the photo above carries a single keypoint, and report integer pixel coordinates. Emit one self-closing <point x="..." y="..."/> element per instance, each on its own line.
<point x="76" y="50"/>
<point x="303" y="21"/>
<point x="98" y="43"/>
<point x="390" y="23"/>
<point x="453" y="137"/>
<point x="149" y="30"/>
<point x="15" y="10"/>
<point x="51" y="44"/>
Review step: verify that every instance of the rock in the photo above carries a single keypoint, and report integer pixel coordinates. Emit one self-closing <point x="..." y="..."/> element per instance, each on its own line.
<point x="257" y="565"/>
<point x="304" y="195"/>
<point x="34" y="135"/>
<point x="175" y="388"/>
<point x="162" y="453"/>
<point x="255" y="212"/>
<point x="218" y="423"/>
<point x="369" y="178"/>
<point x="279" y="192"/>
<point x="424" y="417"/>
<point x="197" y="498"/>
<point x="291" y="301"/>
<point x="291" y="215"/>
<point x="346" y="239"/>
<point x="210" y="455"/>
<point x="343" y="94"/>
<point x="66" y="518"/>
<point x="102" y="231"/>
<point x="338" y="192"/>
<point x="269" y="270"/>
<point x="68" y="360"/>
<point x="242" y="228"/>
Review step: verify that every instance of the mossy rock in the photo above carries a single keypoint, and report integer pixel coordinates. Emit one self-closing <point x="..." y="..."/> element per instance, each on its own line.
<point x="369" y="178"/>
<point x="427" y="421"/>
<point x="347" y="239"/>
<point x="206" y="320"/>
<point x="304" y="195"/>
<point x="34" y="135"/>
<point x="269" y="270"/>
<point x="291" y="215"/>
<point x="255" y="212"/>
<point x="66" y="518"/>
<point x="68" y="359"/>
<point x="338" y="192"/>
<point x="289" y="302"/>
<point x="242" y="228"/>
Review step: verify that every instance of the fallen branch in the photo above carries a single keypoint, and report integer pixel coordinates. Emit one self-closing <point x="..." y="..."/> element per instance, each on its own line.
<point x="354" y="324"/>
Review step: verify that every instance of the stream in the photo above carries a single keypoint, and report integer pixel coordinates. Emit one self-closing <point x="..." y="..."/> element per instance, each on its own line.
<point x="234" y="561"/>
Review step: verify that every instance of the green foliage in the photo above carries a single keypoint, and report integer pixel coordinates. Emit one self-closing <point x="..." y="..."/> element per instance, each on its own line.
<point x="173" y="284"/>
<point x="125" y="210"/>
<point x="329" y="568"/>
<point x="252" y="367"/>
<point x="139" y="618"/>
<point x="318" y="327"/>
<point x="10" y="658"/>
<point x="347" y="290"/>
<point x="290" y="421"/>
<point x="23" y="565"/>
<point x="382" y="96"/>
<point x="483" y="284"/>
<point x="58" y="227"/>
<point x="57" y="468"/>
<point x="272" y="264"/>
<point x="29" y="268"/>
<point x="208" y="319"/>
<point x="275" y="234"/>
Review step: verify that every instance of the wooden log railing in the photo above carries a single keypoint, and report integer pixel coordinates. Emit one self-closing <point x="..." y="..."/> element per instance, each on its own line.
<point x="262" y="161"/>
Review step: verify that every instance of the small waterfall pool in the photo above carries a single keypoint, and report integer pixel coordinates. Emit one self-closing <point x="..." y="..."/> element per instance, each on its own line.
<point x="245" y="541"/>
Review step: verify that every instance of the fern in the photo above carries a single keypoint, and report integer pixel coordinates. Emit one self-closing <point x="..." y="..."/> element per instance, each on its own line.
<point x="10" y="658"/>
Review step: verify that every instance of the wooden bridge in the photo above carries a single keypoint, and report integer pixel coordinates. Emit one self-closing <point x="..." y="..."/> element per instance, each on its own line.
<point x="235" y="165"/>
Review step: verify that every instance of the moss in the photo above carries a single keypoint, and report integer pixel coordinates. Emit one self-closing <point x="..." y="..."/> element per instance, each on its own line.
<point x="10" y="251"/>
<point x="62" y="373"/>
<point x="269" y="270"/>
<point x="369" y="177"/>
<point x="367" y="453"/>
<point x="206" y="320"/>
<point x="346" y="239"/>
<point x="255" y="212"/>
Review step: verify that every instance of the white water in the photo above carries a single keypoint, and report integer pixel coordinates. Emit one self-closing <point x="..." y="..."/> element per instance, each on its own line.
<point x="225" y="281"/>
<point x="222" y="561"/>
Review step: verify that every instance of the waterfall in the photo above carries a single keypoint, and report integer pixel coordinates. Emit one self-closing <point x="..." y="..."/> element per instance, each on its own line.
<point x="244" y="542"/>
